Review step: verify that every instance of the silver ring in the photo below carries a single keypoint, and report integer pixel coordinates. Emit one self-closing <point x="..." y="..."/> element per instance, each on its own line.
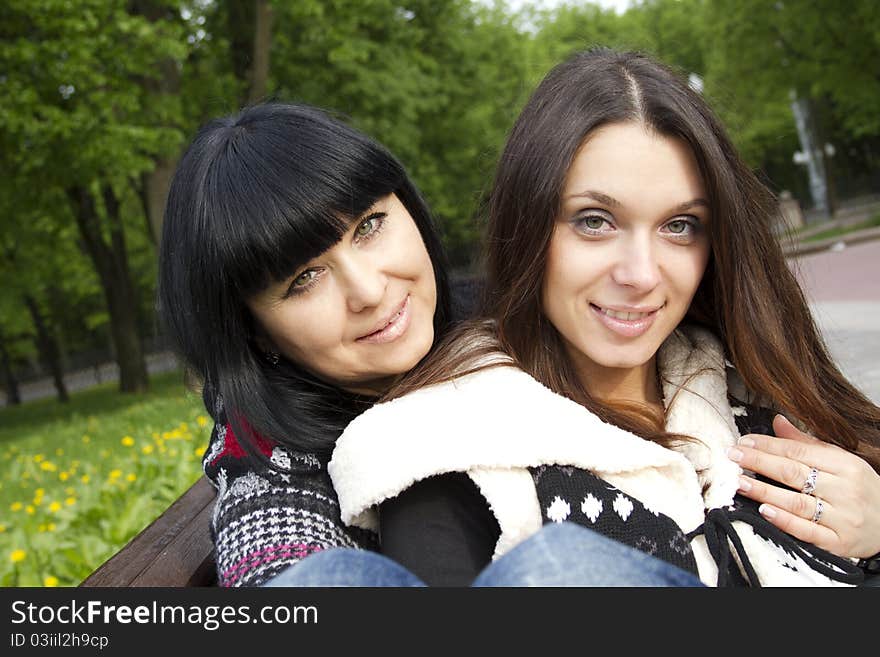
<point x="817" y="514"/>
<point x="810" y="482"/>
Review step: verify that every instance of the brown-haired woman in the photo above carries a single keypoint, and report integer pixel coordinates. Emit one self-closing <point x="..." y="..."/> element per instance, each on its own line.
<point x="633" y="276"/>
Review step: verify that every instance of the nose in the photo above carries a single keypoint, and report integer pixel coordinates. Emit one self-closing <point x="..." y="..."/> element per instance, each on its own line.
<point x="637" y="266"/>
<point x="364" y="282"/>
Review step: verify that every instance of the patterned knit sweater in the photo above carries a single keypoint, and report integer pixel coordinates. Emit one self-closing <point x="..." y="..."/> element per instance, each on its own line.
<point x="265" y="520"/>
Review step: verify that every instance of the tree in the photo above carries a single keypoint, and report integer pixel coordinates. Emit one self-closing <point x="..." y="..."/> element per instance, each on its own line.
<point x="78" y="118"/>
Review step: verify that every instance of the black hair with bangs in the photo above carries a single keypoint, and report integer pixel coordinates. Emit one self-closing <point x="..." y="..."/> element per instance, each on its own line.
<point x="256" y="195"/>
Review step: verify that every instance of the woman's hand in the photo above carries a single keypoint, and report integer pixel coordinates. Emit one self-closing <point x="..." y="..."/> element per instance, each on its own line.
<point x="849" y="488"/>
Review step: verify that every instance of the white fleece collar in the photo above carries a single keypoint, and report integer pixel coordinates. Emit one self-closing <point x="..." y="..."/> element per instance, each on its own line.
<point x="694" y="378"/>
<point x="502" y="418"/>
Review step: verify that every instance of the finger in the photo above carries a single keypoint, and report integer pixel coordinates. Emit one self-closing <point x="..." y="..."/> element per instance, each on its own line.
<point x="806" y="530"/>
<point x="783" y="428"/>
<point x="812" y="453"/>
<point x="791" y="472"/>
<point x="797" y="504"/>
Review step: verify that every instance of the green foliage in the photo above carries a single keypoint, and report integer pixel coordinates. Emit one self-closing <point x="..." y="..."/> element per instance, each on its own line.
<point x="82" y="479"/>
<point x="437" y="82"/>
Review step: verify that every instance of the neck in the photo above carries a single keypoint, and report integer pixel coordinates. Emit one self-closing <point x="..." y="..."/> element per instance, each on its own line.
<point x="632" y="384"/>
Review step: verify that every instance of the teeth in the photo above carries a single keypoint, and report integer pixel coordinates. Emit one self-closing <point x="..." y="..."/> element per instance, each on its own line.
<point x="628" y="317"/>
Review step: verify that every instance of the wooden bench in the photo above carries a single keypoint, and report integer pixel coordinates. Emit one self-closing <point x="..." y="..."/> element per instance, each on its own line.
<point x="174" y="550"/>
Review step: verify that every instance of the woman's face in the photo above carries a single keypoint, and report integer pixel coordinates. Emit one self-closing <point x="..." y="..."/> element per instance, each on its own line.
<point x="362" y="312"/>
<point x="628" y="250"/>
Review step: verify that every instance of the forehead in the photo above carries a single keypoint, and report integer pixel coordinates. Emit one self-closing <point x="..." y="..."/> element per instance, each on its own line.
<point x="628" y="159"/>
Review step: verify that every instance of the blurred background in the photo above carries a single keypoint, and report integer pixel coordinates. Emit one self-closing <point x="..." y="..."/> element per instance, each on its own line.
<point x="99" y="97"/>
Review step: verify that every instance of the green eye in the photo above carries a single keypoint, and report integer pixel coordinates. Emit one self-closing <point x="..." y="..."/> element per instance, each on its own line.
<point x="364" y="228"/>
<point x="304" y="278"/>
<point x="678" y="226"/>
<point x="594" y="223"/>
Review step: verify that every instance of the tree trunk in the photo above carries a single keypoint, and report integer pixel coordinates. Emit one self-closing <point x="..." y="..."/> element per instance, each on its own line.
<point x="250" y="30"/>
<point x="111" y="263"/>
<point x="262" y="43"/>
<point x="48" y="348"/>
<point x="153" y="191"/>
<point x="153" y="185"/>
<point x="13" y="396"/>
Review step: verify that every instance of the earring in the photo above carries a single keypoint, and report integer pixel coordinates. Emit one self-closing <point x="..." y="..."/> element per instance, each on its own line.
<point x="272" y="356"/>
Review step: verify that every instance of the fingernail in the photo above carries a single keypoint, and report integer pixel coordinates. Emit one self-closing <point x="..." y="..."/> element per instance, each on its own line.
<point x="734" y="454"/>
<point x="746" y="441"/>
<point x="745" y="484"/>
<point x="767" y="511"/>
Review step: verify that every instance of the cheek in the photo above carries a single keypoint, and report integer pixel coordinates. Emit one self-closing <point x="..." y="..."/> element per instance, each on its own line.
<point x="312" y="328"/>
<point x="688" y="272"/>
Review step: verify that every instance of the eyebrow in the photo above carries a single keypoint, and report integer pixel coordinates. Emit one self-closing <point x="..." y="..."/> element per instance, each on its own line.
<point x="612" y="202"/>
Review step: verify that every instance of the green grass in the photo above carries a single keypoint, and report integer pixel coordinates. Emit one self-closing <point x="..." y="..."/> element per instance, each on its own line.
<point x="842" y="230"/>
<point x="81" y="479"/>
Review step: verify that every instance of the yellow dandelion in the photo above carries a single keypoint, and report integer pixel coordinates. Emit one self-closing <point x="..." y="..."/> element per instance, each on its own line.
<point x="50" y="527"/>
<point x="147" y="449"/>
<point x="115" y="474"/>
<point x="41" y="528"/>
<point x="86" y="440"/>
<point x="50" y="581"/>
<point x="128" y="441"/>
<point x="84" y="479"/>
<point x="70" y="501"/>
<point x="17" y="556"/>
<point x="202" y="421"/>
<point x="198" y="451"/>
<point x="55" y="507"/>
<point x="38" y="458"/>
<point x="39" y="492"/>
<point x="16" y="506"/>
<point x="131" y="476"/>
<point x="63" y="476"/>
<point x="2" y="528"/>
<point x="30" y="510"/>
<point x="48" y="466"/>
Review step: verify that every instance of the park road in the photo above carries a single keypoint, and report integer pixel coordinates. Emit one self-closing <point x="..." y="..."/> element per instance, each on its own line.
<point x="842" y="285"/>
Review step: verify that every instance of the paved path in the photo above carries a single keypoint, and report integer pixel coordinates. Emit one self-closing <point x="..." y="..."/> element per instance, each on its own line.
<point x="843" y="287"/>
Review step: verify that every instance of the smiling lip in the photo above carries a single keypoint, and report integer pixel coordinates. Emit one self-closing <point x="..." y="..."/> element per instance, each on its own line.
<point x="629" y="328"/>
<point x="390" y="328"/>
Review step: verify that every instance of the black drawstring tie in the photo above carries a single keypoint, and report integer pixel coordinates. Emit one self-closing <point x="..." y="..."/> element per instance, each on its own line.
<point x="718" y="529"/>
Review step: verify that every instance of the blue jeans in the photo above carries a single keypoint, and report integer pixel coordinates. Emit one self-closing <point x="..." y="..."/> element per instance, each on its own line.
<point x="562" y="554"/>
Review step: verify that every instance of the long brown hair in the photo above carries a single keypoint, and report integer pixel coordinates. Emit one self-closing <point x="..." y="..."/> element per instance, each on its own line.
<point x="748" y="297"/>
